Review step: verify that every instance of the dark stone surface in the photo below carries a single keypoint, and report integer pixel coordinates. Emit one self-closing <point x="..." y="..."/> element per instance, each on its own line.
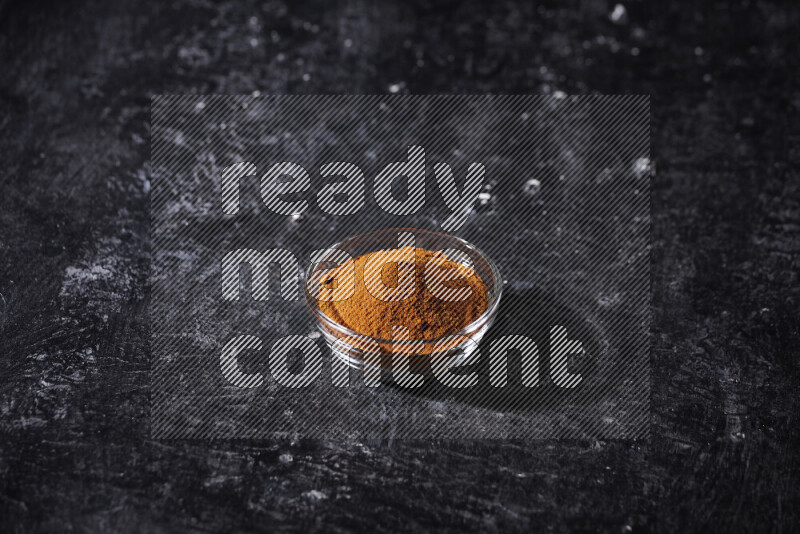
<point x="74" y="108"/>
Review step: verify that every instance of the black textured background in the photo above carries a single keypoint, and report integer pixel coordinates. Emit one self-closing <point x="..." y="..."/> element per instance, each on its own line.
<point x="75" y="90"/>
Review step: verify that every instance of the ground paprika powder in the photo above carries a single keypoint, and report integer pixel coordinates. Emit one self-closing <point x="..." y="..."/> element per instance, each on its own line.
<point x="441" y="298"/>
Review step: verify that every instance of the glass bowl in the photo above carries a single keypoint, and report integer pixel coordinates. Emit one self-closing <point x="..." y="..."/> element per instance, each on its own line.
<point x="359" y="350"/>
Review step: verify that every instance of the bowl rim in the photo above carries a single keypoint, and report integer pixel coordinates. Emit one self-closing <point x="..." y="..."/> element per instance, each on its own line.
<point x="311" y="302"/>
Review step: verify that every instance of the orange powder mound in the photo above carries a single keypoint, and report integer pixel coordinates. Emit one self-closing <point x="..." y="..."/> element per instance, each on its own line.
<point x="442" y="298"/>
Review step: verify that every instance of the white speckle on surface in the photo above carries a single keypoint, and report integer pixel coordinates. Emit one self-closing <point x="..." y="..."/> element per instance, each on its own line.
<point x="396" y="87"/>
<point x="619" y="15"/>
<point x="559" y="95"/>
<point x="641" y="167"/>
<point x="83" y="274"/>
<point x="101" y="280"/>
<point x="315" y="495"/>
<point x="285" y="458"/>
<point x="141" y="174"/>
<point x="306" y="77"/>
<point x="348" y="43"/>
<point x="532" y="187"/>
